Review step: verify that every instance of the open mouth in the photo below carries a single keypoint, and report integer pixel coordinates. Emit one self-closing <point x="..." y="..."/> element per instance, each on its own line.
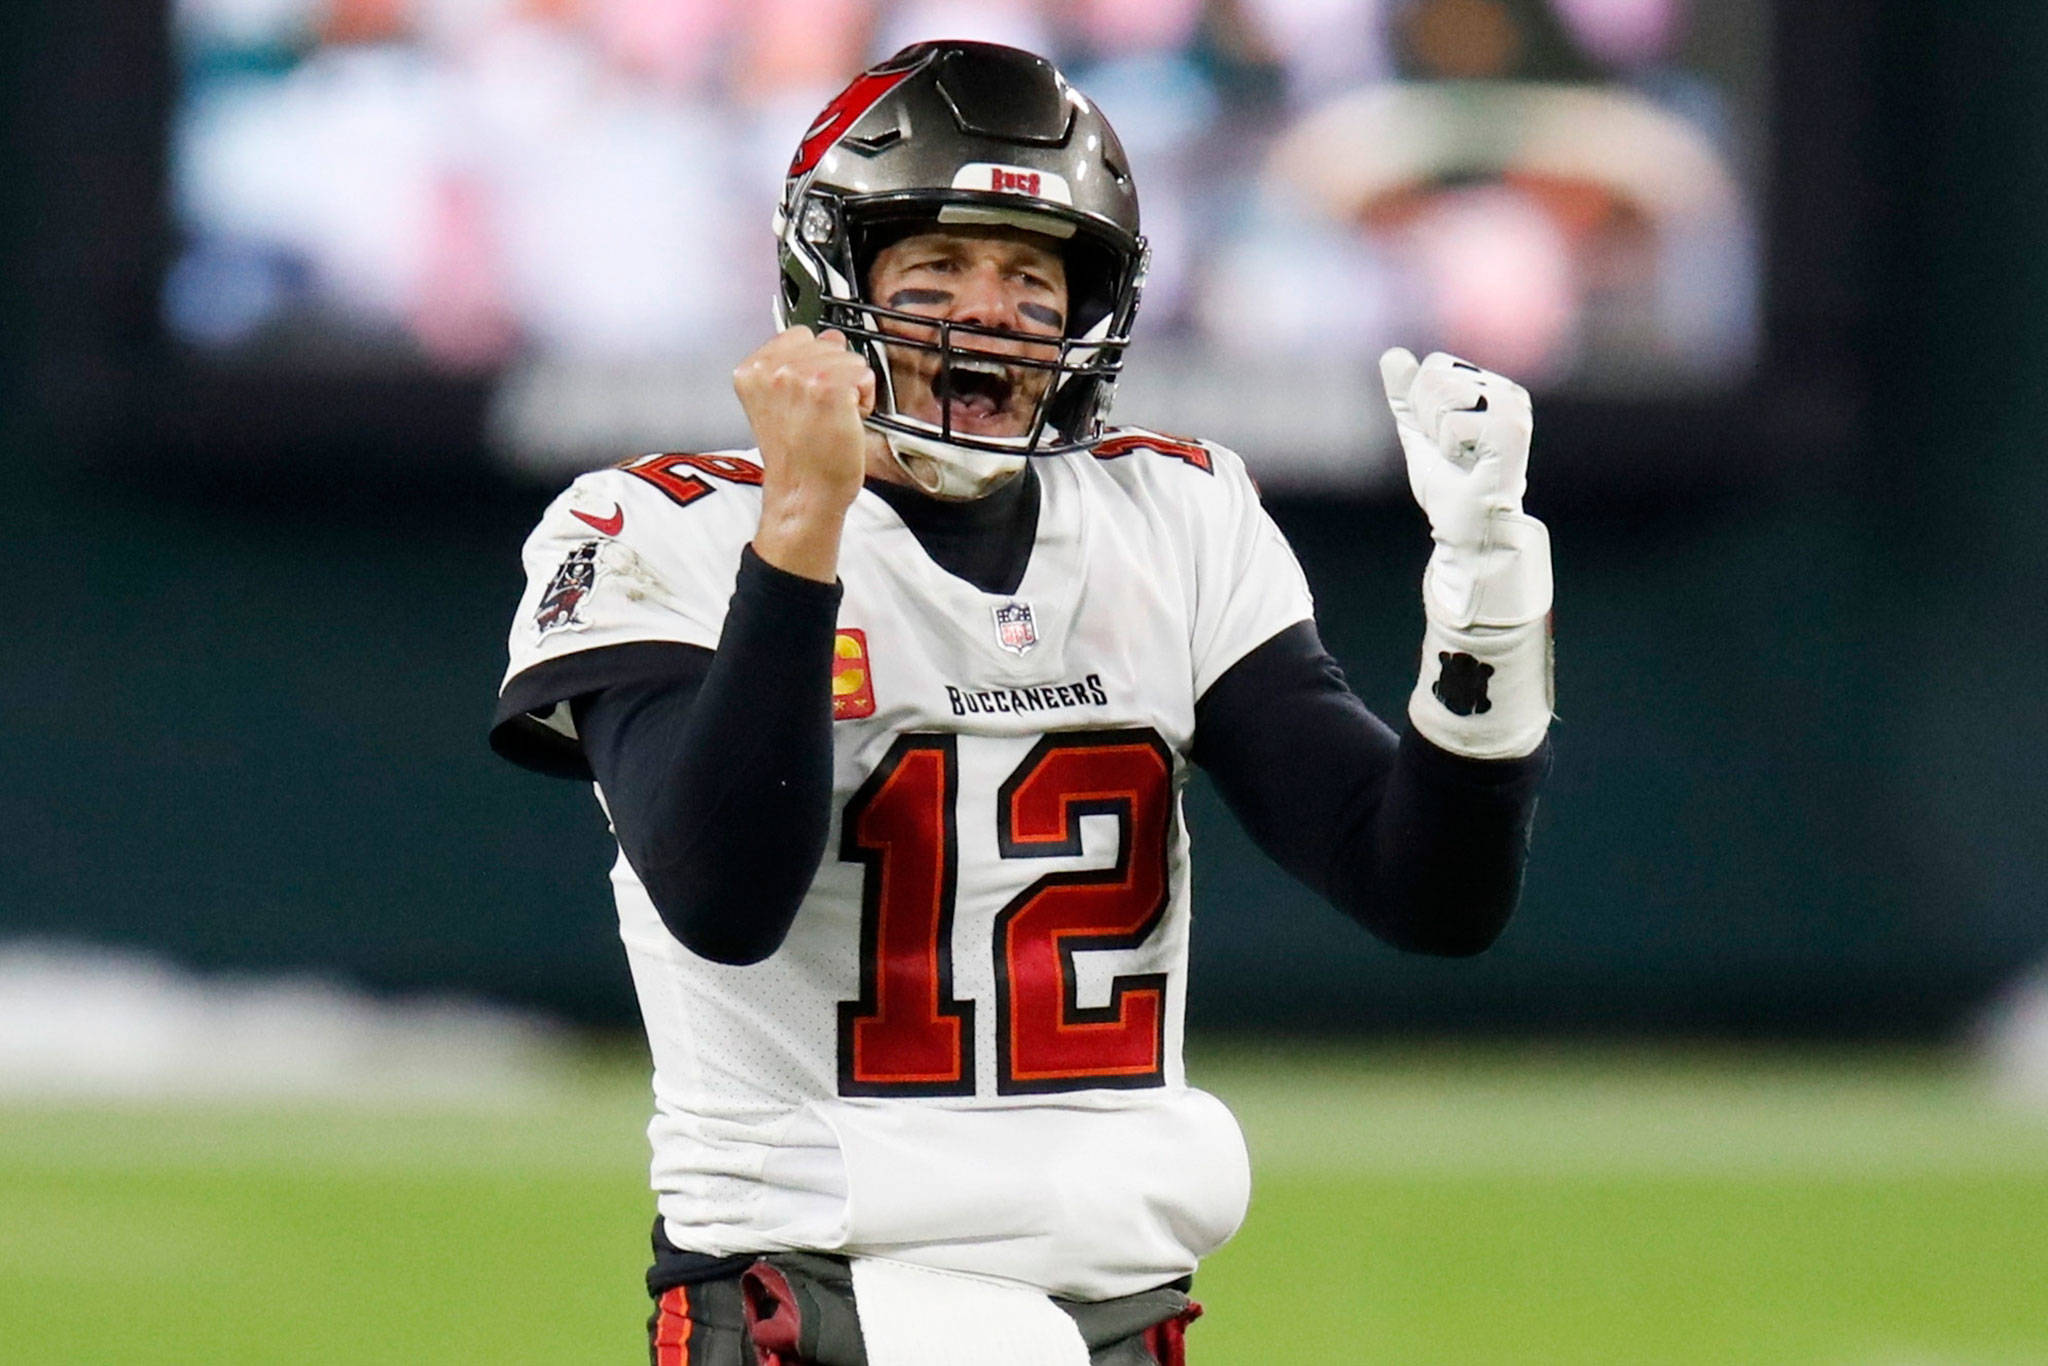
<point x="974" y="388"/>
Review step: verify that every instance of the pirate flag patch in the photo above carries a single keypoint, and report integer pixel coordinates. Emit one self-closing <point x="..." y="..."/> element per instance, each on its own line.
<point x="566" y="591"/>
<point x="1461" y="683"/>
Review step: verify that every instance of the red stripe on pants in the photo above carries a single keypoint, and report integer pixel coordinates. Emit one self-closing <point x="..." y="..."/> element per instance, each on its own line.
<point x="672" y="1331"/>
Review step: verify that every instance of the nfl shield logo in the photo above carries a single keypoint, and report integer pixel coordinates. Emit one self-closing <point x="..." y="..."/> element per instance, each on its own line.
<point x="1015" y="630"/>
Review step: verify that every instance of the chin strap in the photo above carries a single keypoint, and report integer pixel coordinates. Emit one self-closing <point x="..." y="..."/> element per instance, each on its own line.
<point x="952" y="472"/>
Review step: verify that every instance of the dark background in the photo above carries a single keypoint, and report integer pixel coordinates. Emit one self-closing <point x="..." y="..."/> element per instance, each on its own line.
<point x="257" y="621"/>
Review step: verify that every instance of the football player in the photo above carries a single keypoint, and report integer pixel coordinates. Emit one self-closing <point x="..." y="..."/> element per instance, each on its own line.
<point x="891" y="714"/>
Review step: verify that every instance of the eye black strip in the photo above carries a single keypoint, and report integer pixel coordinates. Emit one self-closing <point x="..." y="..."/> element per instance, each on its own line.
<point x="1042" y="314"/>
<point x="919" y="296"/>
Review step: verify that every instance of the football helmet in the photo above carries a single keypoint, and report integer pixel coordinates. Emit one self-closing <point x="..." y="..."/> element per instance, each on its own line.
<point x="966" y="133"/>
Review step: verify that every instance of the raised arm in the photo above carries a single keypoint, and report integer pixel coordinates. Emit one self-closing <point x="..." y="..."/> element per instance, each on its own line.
<point x="1421" y="838"/>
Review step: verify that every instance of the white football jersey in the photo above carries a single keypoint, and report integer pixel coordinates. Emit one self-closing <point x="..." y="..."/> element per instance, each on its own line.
<point x="967" y="1052"/>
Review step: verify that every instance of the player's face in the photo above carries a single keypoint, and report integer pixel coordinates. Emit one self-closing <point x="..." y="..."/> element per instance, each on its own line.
<point x="993" y="276"/>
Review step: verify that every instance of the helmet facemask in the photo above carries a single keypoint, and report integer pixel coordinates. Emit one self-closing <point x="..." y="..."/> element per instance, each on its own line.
<point x="841" y="241"/>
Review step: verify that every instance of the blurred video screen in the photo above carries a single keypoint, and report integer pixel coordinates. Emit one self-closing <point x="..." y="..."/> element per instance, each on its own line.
<point x="574" y="196"/>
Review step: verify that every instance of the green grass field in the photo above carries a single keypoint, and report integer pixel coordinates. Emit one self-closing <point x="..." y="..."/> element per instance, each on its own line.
<point x="1410" y="1205"/>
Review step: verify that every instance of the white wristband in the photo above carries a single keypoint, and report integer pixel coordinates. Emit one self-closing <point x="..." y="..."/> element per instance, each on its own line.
<point x="1485" y="692"/>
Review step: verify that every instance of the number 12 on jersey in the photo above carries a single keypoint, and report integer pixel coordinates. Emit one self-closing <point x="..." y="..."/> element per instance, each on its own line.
<point x="908" y="1035"/>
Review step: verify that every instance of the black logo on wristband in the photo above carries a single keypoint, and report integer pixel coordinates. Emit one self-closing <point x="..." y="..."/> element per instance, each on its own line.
<point x="1461" y="684"/>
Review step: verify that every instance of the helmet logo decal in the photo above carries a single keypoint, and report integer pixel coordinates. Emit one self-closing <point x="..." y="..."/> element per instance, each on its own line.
<point x="989" y="175"/>
<point x="840" y="115"/>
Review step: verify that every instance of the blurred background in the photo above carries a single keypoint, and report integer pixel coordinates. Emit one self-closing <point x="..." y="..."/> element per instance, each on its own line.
<point x="311" y="305"/>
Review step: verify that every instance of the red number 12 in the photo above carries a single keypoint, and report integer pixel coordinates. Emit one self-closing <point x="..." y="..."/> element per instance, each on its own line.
<point x="908" y="1034"/>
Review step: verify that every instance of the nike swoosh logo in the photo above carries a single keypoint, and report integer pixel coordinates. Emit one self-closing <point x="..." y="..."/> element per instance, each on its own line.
<point x="610" y="526"/>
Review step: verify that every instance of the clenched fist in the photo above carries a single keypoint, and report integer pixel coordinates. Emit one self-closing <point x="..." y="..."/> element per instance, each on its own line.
<point x="1465" y="434"/>
<point x="804" y="396"/>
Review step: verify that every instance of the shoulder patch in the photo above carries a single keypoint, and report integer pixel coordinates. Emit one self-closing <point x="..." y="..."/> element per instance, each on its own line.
<point x="1123" y="442"/>
<point x="561" y="604"/>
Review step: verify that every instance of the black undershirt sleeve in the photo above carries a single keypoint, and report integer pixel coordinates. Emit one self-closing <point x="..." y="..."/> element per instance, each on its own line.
<point x="1423" y="847"/>
<point x="718" y="780"/>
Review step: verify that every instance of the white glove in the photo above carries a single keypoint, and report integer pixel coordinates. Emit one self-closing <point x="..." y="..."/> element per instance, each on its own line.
<point x="1465" y="433"/>
<point x="1485" y="687"/>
